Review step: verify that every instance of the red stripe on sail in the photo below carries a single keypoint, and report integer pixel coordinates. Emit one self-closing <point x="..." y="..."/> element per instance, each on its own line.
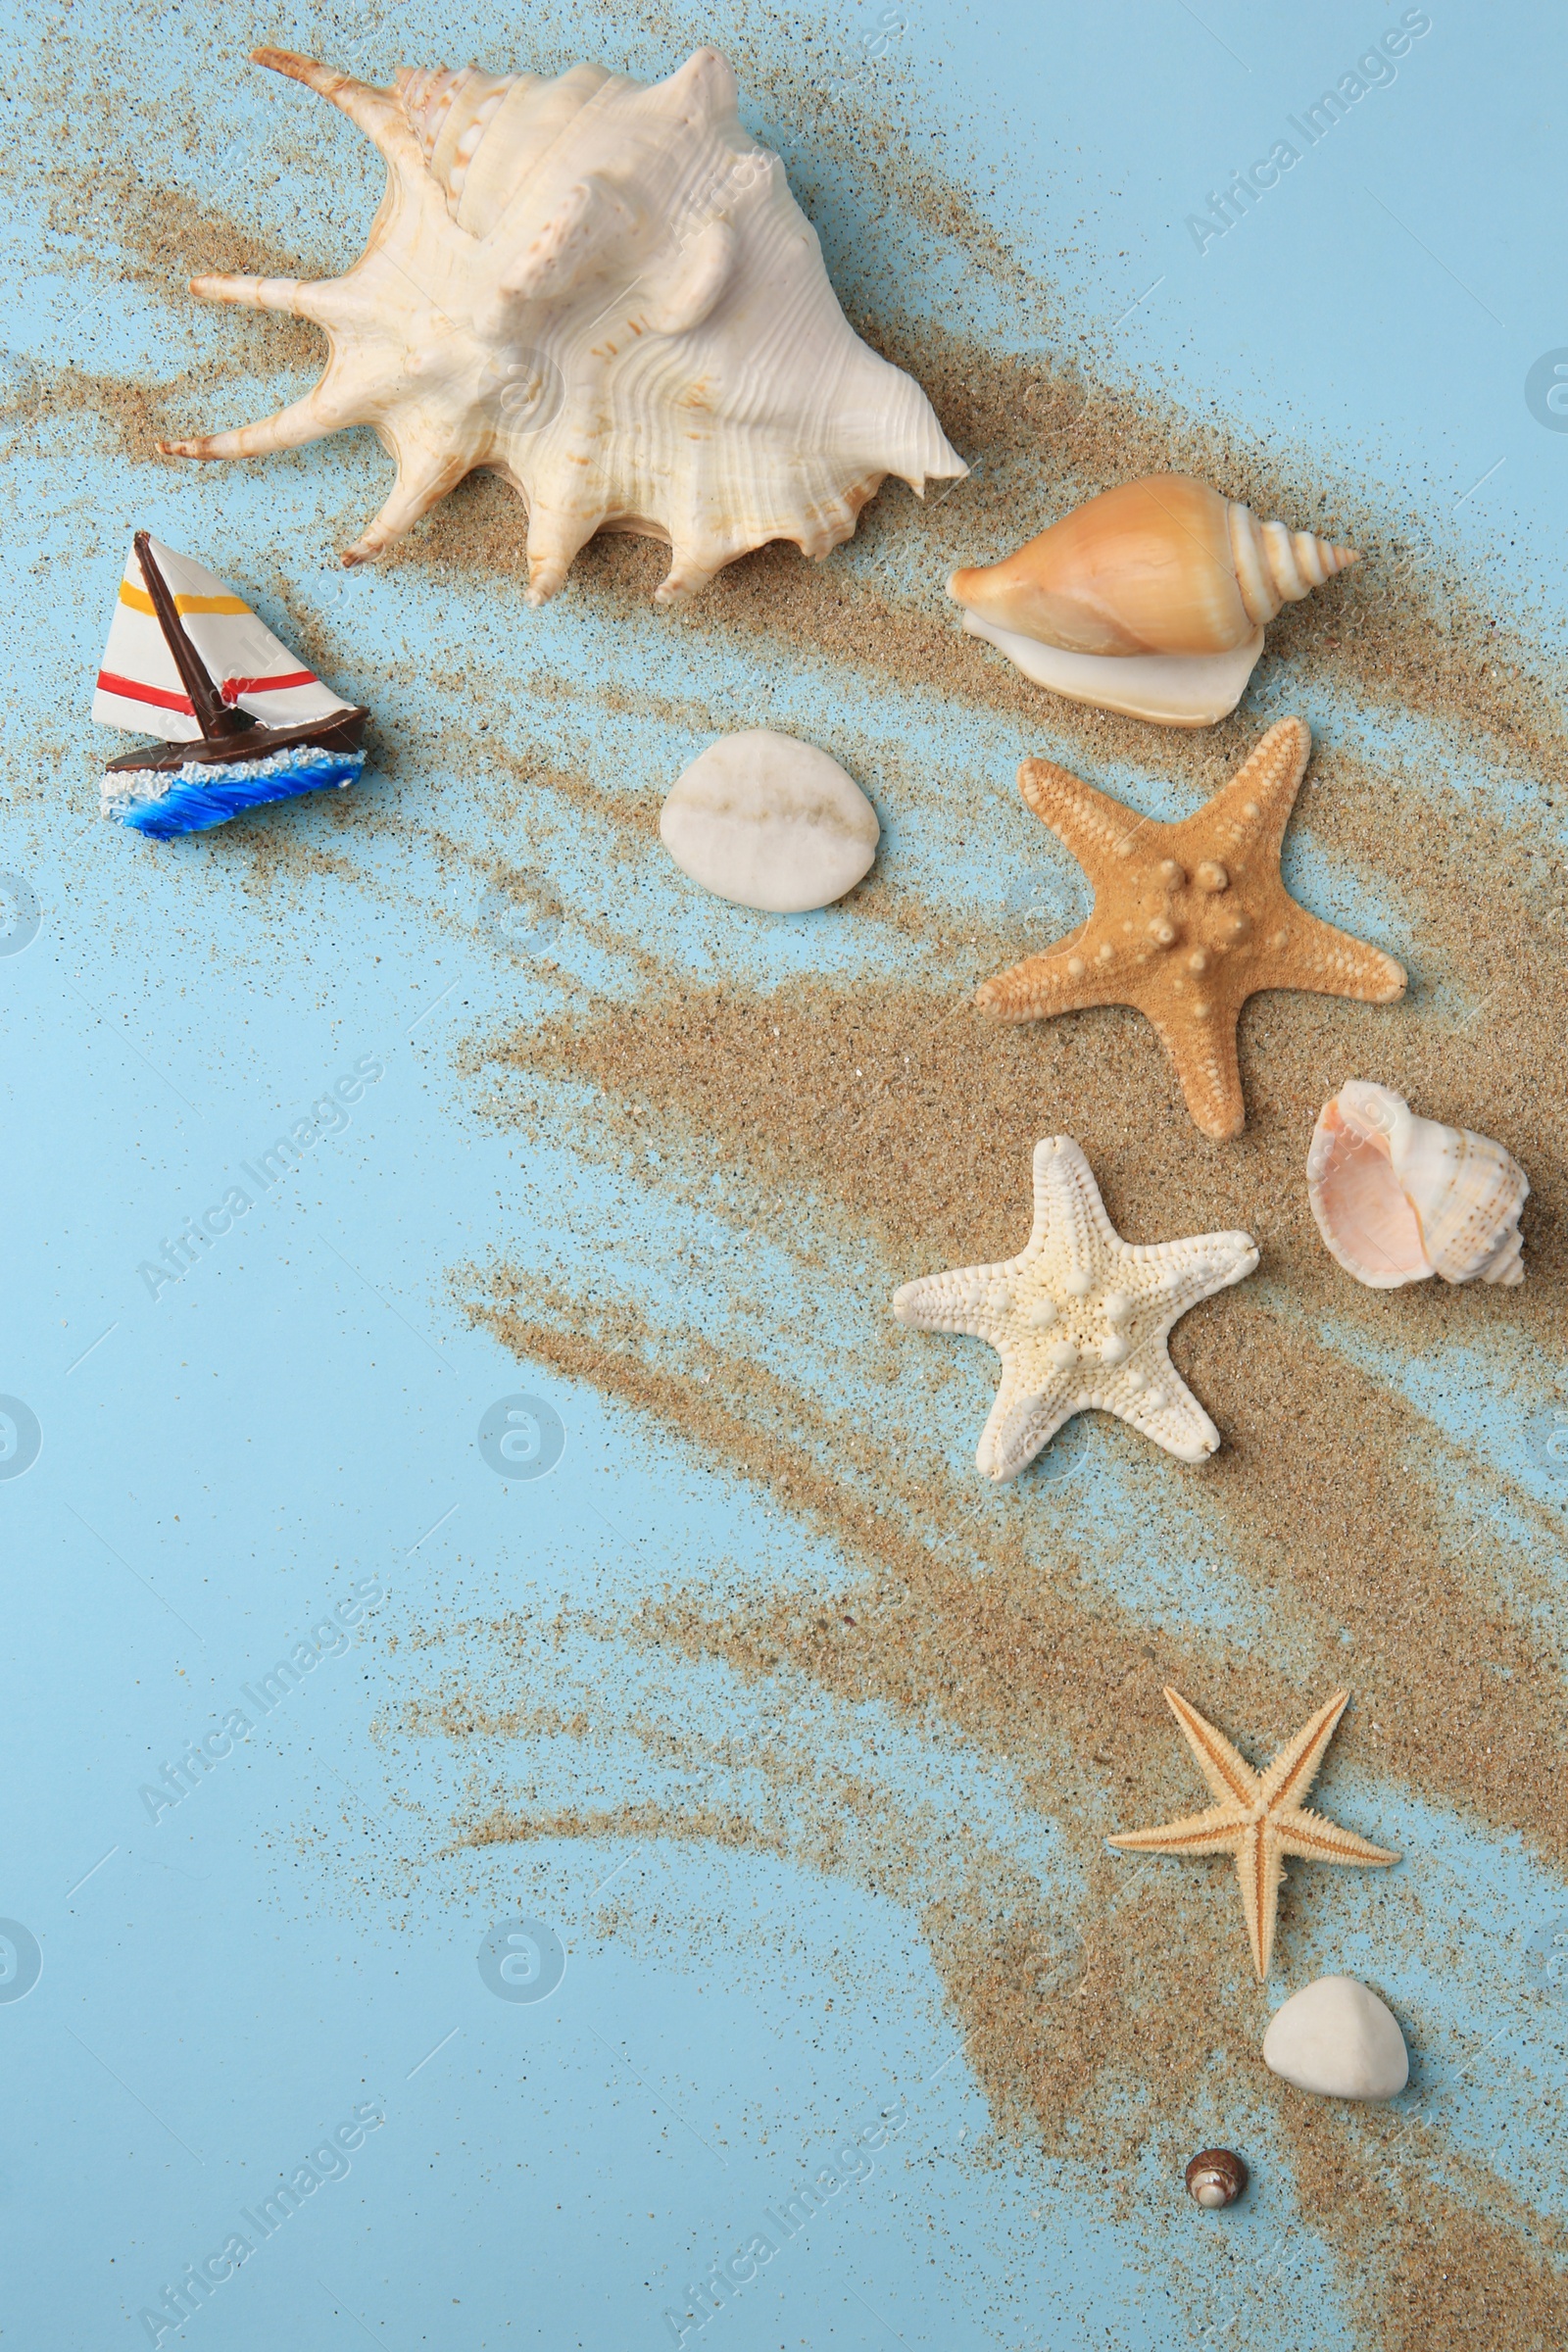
<point x="128" y="687"/>
<point x="233" y="688"/>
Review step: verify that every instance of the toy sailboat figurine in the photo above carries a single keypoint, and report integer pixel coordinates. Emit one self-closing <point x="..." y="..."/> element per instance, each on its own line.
<point x="248" y="723"/>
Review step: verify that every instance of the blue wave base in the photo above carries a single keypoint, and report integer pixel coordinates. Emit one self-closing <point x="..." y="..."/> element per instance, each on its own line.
<point x="196" y="797"/>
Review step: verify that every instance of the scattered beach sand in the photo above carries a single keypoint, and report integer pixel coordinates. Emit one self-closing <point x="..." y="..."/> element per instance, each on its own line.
<point x="902" y="1121"/>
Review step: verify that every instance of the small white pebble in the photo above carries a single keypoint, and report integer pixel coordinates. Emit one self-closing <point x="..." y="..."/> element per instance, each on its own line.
<point x="763" y="819"/>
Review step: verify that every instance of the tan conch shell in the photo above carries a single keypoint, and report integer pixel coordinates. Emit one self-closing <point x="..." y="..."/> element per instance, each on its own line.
<point x="1397" y="1198"/>
<point x="606" y="293"/>
<point x="1151" y="599"/>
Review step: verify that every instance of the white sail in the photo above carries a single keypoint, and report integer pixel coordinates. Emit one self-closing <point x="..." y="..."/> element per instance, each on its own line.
<point x="139" y="686"/>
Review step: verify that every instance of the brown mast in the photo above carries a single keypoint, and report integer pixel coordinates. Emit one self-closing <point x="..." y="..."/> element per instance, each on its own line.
<point x="218" y="720"/>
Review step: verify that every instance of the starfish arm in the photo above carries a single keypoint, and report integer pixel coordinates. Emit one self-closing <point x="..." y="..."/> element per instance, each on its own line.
<point x="1178" y="1422"/>
<point x="1099" y="830"/>
<point x="1069" y="1208"/>
<point x="1198" y="1268"/>
<point x="1259" y="1873"/>
<point x="1247" y="816"/>
<point x="1021" y="1422"/>
<point x="1046" y="984"/>
<point x="1217" y="1832"/>
<point x="958" y="1300"/>
<point x="1293" y="1771"/>
<point x="1305" y="952"/>
<point x="1316" y="1839"/>
<point x="1228" y="1772"/>
<point x="1203" y="1055"/>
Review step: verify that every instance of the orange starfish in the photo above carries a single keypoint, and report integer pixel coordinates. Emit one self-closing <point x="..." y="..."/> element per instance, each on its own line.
<point x="1189" y="920"/>
<point x="1260" y="1817"/>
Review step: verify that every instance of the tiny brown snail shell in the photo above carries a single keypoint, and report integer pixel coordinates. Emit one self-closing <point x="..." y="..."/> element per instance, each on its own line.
<point x="1215" y="2177"/>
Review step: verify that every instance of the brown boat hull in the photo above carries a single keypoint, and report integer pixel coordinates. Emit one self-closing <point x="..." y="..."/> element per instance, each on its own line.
<point x="344" y="733"/>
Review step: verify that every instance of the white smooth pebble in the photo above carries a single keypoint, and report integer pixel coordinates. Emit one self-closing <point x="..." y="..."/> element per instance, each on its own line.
<point x="765" y="820"/>
<point x="1337" y="2039"/>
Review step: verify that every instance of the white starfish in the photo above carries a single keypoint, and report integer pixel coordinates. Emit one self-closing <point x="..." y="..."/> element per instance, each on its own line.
<point x="1080" y="1318"/>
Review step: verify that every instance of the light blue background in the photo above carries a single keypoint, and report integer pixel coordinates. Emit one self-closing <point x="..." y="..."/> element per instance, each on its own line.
<point x="300" y="1412"/>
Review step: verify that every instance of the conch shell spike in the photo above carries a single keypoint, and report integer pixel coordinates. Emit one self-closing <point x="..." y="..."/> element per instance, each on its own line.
<point x="375" y="112"/>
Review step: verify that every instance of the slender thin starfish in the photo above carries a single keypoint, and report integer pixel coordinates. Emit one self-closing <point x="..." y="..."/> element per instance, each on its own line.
<point x="1260" y="1818"/>
<point x="1189" y="920"/>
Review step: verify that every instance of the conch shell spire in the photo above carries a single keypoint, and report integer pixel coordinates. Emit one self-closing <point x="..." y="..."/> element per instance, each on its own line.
<point x="604" y="292"/>
<point x="1276" y="566"/>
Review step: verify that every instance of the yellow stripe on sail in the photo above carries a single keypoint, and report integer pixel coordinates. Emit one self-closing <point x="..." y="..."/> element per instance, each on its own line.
<point x="140" y="601"/>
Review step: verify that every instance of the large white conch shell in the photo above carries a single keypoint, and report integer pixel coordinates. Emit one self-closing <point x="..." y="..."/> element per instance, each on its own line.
<point x="1151" y="599"/>
<point x="1397" y="1198"/>
<point x="606" y="293"/>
